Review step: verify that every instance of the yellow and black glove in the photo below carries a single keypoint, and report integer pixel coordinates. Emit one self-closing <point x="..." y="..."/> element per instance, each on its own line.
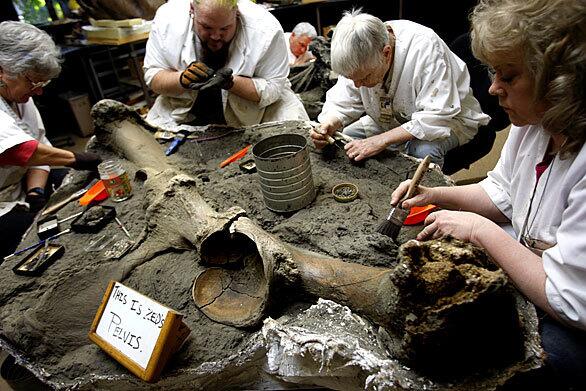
<point x="195" y="75"/>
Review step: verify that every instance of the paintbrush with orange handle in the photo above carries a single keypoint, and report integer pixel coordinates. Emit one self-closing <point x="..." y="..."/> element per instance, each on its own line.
<point x="238" y="155"/>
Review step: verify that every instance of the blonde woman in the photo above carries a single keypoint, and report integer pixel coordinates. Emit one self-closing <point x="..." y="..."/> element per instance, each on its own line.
<point x="536" y="50"/>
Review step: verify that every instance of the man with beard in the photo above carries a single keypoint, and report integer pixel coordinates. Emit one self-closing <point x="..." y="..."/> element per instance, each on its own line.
<point x="218" y="61"/>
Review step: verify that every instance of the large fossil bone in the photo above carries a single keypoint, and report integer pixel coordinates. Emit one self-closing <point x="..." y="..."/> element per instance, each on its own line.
<point x="444" y="309"/>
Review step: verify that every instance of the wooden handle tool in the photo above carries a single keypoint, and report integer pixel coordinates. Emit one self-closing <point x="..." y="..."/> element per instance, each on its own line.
<point x="238" y="155"/>
<point x="397" y="215"/>
<point x="417" y="177"/>
<point x="55" y="207"/>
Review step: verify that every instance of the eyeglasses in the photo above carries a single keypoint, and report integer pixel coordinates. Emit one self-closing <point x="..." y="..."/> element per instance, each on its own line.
<point x="37" y="84"/>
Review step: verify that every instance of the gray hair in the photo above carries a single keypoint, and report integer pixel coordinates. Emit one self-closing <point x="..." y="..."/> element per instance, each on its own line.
<point x="25" y="49"/>
<point x="358" y="43"/>
<point x="549" y="37"/>
<point x="305" y="28"/>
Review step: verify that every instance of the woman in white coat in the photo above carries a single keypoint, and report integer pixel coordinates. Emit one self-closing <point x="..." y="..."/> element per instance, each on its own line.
<point x="28" y="61"/>
<point x="537" y="51"/>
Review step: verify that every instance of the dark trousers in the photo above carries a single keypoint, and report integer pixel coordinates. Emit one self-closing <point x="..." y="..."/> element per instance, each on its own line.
<point x="14" y="224"/>
<point x="565" y="360"/>
<point x="565" y="350"/>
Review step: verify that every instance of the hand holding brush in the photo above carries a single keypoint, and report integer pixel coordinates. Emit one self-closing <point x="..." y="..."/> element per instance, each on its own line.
<point x="397" y="215"/>
<point x="322" y="133"/>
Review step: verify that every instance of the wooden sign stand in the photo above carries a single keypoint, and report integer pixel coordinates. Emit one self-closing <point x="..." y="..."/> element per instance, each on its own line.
<point x="170" y="338"/>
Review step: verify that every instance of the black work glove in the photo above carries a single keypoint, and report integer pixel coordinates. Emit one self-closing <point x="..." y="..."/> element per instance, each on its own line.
<point x="35" y="201"/>
<point x="195" y="74"/>
<point x="222" y="79"/>
<point x="86" y="161"/>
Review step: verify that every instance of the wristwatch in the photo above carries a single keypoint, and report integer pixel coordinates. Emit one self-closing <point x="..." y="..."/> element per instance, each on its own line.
<point x="37" y="190"/>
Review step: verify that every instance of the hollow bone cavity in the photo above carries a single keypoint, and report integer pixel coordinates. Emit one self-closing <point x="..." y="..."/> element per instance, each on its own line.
<point x="435" y="303"/>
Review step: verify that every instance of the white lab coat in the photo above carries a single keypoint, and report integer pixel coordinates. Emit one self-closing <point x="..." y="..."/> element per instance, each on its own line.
<point x="14" y="131"/>
<point x="257" y="51"/>
<point x="558" y="213"/>
<point x="290" y="55"/>
<point x="428" y="90"/>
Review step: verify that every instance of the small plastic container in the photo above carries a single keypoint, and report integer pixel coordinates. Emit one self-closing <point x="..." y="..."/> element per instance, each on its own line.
<point x="93" y="219"/>
<point x="96" y="193"/>
<point x="37" y="261"/>
<point x="345" y="192"/>
<point x="100" y="243"/>
<point x="115" y="180"/>
<point x="417" y="214"/>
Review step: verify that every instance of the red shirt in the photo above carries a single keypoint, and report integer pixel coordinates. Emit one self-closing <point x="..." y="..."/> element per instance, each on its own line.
<point x="18" y="155"/>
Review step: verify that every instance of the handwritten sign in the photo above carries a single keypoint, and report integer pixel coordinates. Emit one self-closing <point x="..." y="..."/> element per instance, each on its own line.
<point x="137" y="331"/>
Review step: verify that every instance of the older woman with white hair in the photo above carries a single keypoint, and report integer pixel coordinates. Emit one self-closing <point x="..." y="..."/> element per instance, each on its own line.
<point x="29" y="60"/>
<point x="400" y="87"/>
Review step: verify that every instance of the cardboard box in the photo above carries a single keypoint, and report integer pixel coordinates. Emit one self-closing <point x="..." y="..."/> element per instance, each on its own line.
<point x="80" y="108"/>
<point x="116" y="23"/>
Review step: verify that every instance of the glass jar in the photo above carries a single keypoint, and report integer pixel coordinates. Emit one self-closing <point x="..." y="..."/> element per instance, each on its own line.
<point x="115" y="180"/>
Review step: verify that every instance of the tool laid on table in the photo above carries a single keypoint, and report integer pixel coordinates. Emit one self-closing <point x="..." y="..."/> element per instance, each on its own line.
<point x="40" y="243"/>
<point x="120" y="247"/>
<point x="197" y="133"/>
<point x="99" y="243"/>
<point x="238" y="155"/>
<point x="397" y="215"/>
<point x="38" y="261"/>
<point x="49" y="226"/>
<point x="55" y="207"/>
<point x="122" y="227"/>
<point x="116" y="248"/>
<point x="180" y="138"/>
<point x="42" y="256"/>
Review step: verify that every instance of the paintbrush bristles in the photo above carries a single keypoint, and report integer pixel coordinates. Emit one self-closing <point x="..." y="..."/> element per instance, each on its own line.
<point x="393" y="223"/>
<point x="397" y="215"/>
<point x="390" y="229"/>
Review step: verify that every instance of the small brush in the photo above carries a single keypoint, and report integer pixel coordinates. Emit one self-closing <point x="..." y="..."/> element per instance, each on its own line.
<point x="340" y="140"/>
<point x="397" y="215"/>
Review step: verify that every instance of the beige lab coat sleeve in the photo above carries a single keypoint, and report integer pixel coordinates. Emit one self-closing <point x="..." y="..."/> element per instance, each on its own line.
<point x="343" y="101"/>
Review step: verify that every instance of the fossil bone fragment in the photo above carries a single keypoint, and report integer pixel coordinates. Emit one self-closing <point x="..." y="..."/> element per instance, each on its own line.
<point x="445" y="310"/>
